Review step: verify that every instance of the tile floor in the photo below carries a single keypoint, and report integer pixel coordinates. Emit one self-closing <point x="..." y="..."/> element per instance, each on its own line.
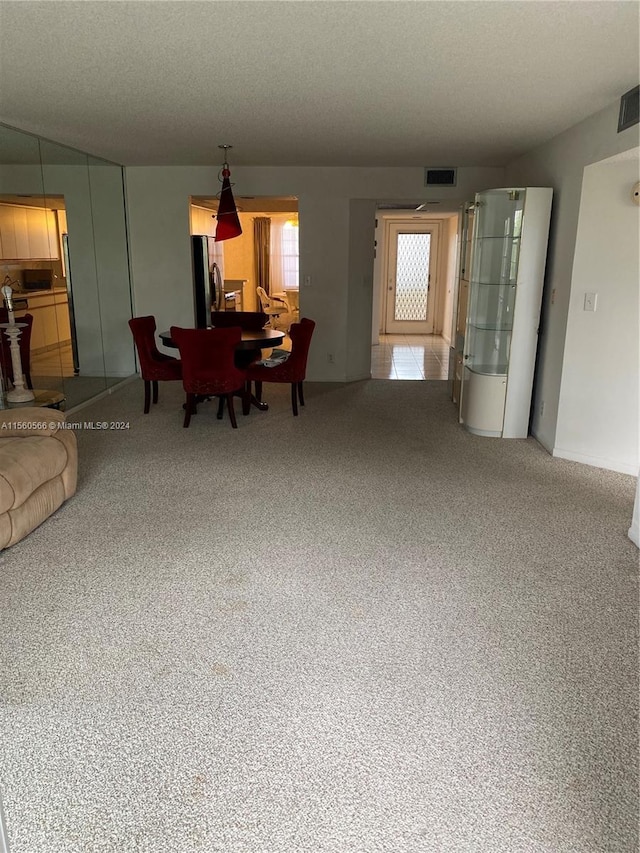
<point x="410" y="357"/>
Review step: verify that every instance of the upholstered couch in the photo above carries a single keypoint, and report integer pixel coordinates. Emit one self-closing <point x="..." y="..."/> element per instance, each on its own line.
<point x="38" y="469"/>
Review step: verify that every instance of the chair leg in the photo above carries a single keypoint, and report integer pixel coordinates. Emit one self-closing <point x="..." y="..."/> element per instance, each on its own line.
<point x="220" y="408"/>
<point x="259" y="391"/>
<point x="189" y="409"/>
<point x="155" y="390"/>
<point x="147" y="396"/>
<point x="294" y="399"/>
<point x="246" y="398"/>
<point x="300" y="394"/>
<point x="232" y="414"/>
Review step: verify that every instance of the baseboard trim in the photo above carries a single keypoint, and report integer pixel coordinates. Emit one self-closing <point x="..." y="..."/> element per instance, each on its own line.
<point x="101" y="396"/>
<point x="596" y="461"/>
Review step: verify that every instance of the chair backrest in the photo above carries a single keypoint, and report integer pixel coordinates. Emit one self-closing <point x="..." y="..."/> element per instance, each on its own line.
<point x="153" y="363"/>
<point x="144" y="336"/>
<point x="208" y="358"/>
<point x="251" y="321"/>
<point x="24" y="343"/>
<point x="265" y="302"/>
<point x="300" y="334"/>
<point x="273" y="304"/>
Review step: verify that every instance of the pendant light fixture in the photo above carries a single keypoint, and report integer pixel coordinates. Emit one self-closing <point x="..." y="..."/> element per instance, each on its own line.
<point x="228" y="225"/>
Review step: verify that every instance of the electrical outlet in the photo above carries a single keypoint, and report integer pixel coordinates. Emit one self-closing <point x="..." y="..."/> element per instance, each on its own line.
<point x="330" y="357"/>
<point x="542" y="408"/>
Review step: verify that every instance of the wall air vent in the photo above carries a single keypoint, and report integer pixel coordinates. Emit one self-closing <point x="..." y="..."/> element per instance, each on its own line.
<point x="629" y="109"/>
<point x="439" y="177"/>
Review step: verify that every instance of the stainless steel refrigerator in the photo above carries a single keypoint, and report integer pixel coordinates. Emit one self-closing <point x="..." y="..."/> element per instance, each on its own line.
<point x="72" y="316"/>
<point x="208" y="292"/>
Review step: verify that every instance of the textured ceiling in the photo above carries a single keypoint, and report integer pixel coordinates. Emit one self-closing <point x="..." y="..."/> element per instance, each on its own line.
<point x="312" y="83"/>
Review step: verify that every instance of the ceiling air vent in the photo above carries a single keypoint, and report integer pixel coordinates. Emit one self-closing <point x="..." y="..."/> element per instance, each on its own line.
<point x="439" y="177"/>
<point x="629" y="109"/>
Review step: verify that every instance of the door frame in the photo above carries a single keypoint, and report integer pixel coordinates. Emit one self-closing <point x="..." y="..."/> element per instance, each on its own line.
<point x="411" y="226"/>
<point x="444" y="274"/>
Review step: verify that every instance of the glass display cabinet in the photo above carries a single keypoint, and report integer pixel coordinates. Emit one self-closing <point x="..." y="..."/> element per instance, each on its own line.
<point x="508" y="255"/>
<point x="456" y="352"/>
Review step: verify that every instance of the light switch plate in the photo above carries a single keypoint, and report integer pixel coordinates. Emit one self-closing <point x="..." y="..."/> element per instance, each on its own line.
<point x="590" y="301"/>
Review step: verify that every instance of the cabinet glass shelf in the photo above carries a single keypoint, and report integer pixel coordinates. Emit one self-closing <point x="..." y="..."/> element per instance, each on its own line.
<point x="491" y="327"/>
<point x="488" y="369"/>
<point x="491" y="306"/>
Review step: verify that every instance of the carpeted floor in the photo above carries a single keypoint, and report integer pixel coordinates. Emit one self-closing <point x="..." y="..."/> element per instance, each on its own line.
<point x="361" y="630"/>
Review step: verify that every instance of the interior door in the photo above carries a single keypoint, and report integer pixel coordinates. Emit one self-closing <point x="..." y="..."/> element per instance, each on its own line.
<point x="412" y="266"/>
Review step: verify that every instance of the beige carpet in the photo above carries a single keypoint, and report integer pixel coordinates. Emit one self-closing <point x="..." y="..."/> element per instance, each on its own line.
<point x="361" y="630"/>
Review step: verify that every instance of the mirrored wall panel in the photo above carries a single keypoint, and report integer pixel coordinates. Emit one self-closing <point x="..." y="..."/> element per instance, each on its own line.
<point x="63" y="251"/>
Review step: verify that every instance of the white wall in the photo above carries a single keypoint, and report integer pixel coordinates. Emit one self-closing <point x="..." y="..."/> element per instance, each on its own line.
<point x="560" y="163"/>
<point x="598" y="411"/>
<point x="336" y="243"/>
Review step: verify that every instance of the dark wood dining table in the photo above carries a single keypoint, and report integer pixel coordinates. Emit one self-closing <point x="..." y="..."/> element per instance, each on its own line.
<point x="251" y="342"/>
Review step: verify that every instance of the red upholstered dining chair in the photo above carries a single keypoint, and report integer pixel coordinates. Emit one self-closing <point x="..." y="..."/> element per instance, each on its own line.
<point x="24" y="344"/>
<point x="155" y="366"/>
<point x="251" y="321"/>
<point x="293" y="369"/>
<point x="209" y="370"/>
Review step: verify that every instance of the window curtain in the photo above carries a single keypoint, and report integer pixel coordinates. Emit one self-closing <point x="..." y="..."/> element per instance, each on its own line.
<point x="261" y="246"/>
<point x="284" y="253"/>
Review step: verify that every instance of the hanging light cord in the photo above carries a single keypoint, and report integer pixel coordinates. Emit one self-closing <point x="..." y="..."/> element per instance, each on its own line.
<point x="224" y="172"/>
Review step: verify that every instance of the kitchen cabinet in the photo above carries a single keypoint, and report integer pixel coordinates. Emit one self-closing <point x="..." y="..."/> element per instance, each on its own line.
<point x="28" y="233"/>
<point x="508" y="256"/>
<point x="203" y="221"/>
<point x="51" y="324"/>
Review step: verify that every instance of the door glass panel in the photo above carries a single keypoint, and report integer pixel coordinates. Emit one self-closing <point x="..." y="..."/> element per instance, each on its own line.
<point x="412" y="276"/>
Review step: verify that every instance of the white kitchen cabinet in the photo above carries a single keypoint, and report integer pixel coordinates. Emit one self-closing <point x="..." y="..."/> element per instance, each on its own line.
<point x="28" y="233"/>
<point x="42" y="233"/>
<point x="202" y="221"/>
<point x="51" y="324"/>
<point x="21" y="232"/>
<point x="508" y="256"/>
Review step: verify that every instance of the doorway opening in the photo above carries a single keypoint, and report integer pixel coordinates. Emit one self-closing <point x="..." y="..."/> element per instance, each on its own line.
<point x="414" y="292"/>
<point x="265" y="255"/>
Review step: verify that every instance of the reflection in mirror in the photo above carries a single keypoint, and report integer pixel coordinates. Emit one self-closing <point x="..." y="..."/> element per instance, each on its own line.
<point x="66" y="172"/>
<point x="29" y="261"/>
<point x="112" y="268"/>
<point x="63" y="246"/>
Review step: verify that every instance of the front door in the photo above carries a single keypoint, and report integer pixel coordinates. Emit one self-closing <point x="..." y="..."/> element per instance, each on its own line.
<point x="411" y="272"/>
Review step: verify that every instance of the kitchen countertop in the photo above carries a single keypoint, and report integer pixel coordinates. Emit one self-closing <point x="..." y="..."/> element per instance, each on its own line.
<point x="23" y="293"/>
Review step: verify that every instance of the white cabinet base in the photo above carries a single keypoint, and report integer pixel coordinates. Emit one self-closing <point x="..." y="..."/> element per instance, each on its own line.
<point x="483" y="403"/>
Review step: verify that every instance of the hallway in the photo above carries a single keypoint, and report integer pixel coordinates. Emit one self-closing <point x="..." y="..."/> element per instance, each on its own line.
<point x="410" y="357"/>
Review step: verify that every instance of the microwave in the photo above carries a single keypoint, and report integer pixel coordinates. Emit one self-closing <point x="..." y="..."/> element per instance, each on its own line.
<point x="37" y="279"/>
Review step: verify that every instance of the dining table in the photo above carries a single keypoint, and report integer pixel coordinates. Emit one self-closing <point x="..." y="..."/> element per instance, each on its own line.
<point x="252" y="342"/>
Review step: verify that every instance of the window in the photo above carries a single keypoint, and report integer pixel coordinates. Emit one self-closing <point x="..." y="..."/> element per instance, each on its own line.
<point x="284" y="254"/>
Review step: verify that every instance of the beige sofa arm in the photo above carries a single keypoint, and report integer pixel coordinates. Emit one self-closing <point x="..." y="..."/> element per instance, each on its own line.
<point x="30" y="420"/>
